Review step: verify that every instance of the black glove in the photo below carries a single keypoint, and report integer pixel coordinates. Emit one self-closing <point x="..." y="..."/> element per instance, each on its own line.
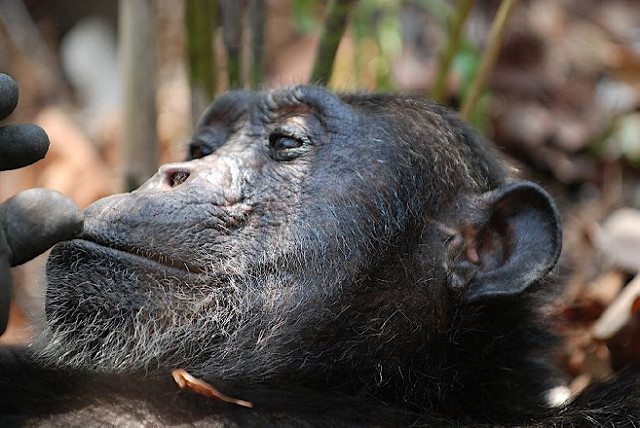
<point x="33" y="220"/>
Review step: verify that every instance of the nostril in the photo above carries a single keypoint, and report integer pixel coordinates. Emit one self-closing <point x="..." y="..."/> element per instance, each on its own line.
<point x="177" y="177"/>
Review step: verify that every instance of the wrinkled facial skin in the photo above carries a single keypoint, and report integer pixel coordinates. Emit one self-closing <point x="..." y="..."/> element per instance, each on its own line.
<point x="220" y="258"/>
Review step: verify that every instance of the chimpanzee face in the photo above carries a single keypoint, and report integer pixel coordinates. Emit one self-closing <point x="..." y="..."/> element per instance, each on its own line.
<point x="303" y="228"/>
<point x="286" y="197"/>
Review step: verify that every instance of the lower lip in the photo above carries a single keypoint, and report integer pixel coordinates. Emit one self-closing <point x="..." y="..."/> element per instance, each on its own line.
<point x="155" y="265"/>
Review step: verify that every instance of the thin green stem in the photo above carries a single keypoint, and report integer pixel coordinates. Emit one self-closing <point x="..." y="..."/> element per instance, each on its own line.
<point x="496" y="37"/>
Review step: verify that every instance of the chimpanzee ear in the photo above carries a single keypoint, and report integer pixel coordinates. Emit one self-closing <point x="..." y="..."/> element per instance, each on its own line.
<point x="513" y="239"/>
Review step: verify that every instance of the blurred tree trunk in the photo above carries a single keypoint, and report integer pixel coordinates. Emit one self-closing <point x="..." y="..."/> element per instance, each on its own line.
<point x="139" y="145"/>
<point x="201" y="23"/>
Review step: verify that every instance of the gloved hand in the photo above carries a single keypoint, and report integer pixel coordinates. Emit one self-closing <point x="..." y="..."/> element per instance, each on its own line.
<point x="33" y="220"/>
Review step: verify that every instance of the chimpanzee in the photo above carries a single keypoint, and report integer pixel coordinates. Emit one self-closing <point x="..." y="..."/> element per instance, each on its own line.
<point x="354" y="259"/>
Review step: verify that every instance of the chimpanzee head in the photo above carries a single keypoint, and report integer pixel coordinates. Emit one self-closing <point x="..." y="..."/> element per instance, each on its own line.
<point x="309" y="237"/>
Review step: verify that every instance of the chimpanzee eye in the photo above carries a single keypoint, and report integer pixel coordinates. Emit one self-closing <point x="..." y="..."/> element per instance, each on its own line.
<point x="284" y="142"/>
<point x="199" y="150"/>
<point x="288" y="143"/>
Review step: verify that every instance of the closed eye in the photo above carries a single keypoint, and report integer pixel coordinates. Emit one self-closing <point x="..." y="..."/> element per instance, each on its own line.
<point x="287" y="144"/>
<point x="284" y="142"/>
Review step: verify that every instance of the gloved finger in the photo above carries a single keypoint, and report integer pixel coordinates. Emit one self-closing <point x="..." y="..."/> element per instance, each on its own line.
<point x="22" y="145"/>
<point x="8" y="95"/>
<point x="36" y="219"/>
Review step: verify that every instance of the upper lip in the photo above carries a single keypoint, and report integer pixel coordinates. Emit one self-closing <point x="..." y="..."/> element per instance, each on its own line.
<point x="147" y="254"/>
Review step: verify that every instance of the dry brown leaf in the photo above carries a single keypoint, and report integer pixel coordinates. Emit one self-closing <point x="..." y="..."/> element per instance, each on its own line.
<point x="619" y="239"/>
<point x="605" y="288"/>
<point x="187" y="381"/>
<point x="619" y="312"/>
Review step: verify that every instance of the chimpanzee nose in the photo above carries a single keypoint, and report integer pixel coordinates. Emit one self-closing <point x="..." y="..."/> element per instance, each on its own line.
<point x="173" y="175"/>
<point x="216" y="175"/>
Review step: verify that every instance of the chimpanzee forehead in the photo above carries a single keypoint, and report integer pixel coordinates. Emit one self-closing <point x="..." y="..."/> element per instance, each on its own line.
<point x="314" y="97"/>
<point x="268" y="105"/>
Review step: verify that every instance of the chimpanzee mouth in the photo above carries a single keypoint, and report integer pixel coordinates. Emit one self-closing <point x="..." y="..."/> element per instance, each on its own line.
<point x="138" y="255"/>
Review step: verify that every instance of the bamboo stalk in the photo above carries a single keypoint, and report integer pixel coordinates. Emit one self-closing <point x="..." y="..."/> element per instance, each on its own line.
<point x="257" y="17"/>
<point x="453" y="44"/>
<point x="496" y="37"/>
<point x="232" y="29"/>
<point x="335" y="25"/>
<point x="201" y="23"/>
<point x="139" y="145"/>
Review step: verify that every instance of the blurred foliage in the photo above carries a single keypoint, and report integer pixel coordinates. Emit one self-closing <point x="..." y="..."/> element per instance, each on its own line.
<point x="377" y="38"/>
<point x="619" y="140"/>
<point x="627" y="133"/>
<point x="440" y="10"/>
<point x="455" y="26"/>
<point x="305" y="15"/>
<point x="376" y="24"/>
